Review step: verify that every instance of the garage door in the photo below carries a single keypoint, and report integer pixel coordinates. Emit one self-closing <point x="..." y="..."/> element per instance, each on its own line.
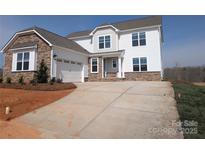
<point x="69" y="72"/>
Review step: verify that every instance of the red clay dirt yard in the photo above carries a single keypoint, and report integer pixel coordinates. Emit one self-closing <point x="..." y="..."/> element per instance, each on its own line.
<point x="21" y="101"/>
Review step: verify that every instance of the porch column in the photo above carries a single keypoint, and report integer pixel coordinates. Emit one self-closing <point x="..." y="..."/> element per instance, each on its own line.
<point x="82" y="73"/>
<point x="54" y="68"/>
<point x="119" y="75"/>
<point x="123" y="73"/>
<point x="102" y="67"/>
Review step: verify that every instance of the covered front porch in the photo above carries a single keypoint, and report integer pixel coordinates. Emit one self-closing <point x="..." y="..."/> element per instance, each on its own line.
<point x="109" y="65"/>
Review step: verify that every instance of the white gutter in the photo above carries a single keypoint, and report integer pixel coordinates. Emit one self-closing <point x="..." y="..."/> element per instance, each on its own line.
<point x="55" y="46"/>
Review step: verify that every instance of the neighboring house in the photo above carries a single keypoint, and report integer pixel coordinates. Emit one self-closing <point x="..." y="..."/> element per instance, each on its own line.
<point x="128" y="50"/>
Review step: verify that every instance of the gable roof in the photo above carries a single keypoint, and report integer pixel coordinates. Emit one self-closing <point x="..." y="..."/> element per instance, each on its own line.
<point x="124" y="25"/>
<point x="54" y="39"/>
<point x="138" y="23"/>
<point x="79" y="33"/>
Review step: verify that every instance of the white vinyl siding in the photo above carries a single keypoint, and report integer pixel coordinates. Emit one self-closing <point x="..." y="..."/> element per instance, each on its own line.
<point x="152" y="50"/>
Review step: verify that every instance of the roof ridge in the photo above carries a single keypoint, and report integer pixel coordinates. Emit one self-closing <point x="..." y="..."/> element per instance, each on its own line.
<point x="134" y="19"/>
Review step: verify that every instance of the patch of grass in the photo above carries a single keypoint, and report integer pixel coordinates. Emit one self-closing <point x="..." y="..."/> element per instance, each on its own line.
<point x="191" y="106"/>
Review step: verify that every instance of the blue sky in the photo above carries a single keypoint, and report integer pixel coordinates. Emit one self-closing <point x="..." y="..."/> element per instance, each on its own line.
<point x="184" y="36"/>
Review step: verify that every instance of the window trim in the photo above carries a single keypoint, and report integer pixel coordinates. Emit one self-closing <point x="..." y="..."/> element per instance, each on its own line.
<point x="22" y="61"/>
<point x="135" y="64"/>
<point x="142" y="39"/>
<point x="139" y="64"/>
<point x="138" y="40"/>
<point x="114" y="59"/>
<point x="135" y="39"/>
<point x="143" y="64"/>
<point x="104" y="41"/>
<point x="91" y="65"/>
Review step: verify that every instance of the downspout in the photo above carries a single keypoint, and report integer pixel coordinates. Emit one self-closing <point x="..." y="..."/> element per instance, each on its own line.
<point x="162" y="71"/>
<point x="51" y="68"/>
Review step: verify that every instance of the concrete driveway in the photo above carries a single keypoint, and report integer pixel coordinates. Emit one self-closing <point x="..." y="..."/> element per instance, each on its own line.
<point x="135" y="109"/>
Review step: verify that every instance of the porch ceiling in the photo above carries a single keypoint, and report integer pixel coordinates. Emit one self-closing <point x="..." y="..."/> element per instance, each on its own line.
<point x="118" y="53"/>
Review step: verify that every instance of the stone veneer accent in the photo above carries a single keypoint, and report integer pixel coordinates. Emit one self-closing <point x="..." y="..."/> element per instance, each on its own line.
<point x="95" y="76"/>
<point x="111" y="74"/>
<point x="43" y="52"/>
<point x="143" y="76"/>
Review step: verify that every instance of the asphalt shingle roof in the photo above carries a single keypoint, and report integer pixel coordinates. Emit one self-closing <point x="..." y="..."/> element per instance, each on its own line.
<point x="58" y="40"/>
<point x="124" y="25"/>
<point x="79" y="33"/>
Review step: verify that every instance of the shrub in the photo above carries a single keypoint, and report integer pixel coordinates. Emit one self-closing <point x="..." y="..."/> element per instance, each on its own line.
<point x="59" y="80"/>
<point x="42" y="73"/>
<point x="8" y="80"/>
<point x="51" y="83"/>
<point x="1" y="80"/>
<point x="21" y="80"/>
<point x="33" y="82"/>
<point x="53" y="79"/>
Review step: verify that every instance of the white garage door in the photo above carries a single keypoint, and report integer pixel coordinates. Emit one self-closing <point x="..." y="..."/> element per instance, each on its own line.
<point x="69" y="72"/>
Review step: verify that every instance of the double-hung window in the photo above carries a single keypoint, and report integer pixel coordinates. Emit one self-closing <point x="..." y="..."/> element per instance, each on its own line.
<point x="26" y="61"/>
<point x="101" y="42"/>
<point x="107" y="41"/>
<point x="142" y="38"/>
<point x="140" y="64"/>
<point x="135" y="64"/>
<point x="135" y="39"/>
<point x="139" y="39"/>
<point x="22" y="61"/>
<point x="94" y="65"/>
<point x="104" y="42"/>
<point x="19" y="63"/>
<point x="114" y="63"/>
<point x="143" y="64"/>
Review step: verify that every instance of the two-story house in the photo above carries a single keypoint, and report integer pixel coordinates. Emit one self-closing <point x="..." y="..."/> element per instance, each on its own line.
<point x="129" y="50"/>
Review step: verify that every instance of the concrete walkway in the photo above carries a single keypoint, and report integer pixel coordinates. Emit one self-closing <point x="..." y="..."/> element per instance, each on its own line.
<point x="109" y="110"/>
